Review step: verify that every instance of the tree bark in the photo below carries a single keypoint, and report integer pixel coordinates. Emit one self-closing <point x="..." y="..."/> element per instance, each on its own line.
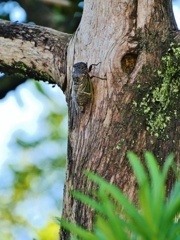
<point x="33" y="51"/>
<point x="129" y="39"/>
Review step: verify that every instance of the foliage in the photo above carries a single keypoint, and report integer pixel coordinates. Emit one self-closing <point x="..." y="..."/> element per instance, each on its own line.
<point x="118" y="218"/>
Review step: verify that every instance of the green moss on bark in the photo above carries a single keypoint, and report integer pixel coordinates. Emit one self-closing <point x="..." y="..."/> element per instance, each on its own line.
<point x="21" y="70"/>
<point x="160" y="103"/>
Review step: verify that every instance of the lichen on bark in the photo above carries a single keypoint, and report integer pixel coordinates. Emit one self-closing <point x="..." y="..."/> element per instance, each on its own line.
<point x="159" y="104"/>
<point x="21" y="70"/>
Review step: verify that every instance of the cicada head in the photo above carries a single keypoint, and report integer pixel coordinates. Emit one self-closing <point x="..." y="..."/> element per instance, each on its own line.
<point x="81" y="66"/>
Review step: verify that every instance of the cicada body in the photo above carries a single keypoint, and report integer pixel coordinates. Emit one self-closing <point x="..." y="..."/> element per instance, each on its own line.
<point x="82" y="85"/>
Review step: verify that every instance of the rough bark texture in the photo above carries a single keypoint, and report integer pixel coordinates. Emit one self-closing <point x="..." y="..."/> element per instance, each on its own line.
<point x="33" y="51"/>
<point x="128" y="38"/>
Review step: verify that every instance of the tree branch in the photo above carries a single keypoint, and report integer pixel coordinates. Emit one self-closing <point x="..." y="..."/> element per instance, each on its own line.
<point x="33" y="51"/>
<point x="57" y="2"/>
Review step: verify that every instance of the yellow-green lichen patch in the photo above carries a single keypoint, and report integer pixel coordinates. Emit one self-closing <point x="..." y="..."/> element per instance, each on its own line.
<point x="160" y="103"/>
<point x="119" y="144"/>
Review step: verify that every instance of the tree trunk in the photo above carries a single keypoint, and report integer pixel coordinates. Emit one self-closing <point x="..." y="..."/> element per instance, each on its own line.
<point x="129" y="39"/>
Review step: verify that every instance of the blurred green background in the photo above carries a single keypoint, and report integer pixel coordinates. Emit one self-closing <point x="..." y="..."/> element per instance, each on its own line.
<point x="33" y="133"/>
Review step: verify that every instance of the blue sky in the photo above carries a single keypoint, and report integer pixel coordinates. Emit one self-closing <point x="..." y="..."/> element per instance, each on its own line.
<point x="176" y="8"/>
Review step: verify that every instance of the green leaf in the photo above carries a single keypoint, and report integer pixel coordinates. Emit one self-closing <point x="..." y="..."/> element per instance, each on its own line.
<point x="144" y="193"/>
<point x="135" y="221"/>
<point x="118" y="218"/>
<point x="80" y="232"/>
<point x="157" y="192"/>
<point x="137" y="168"/>
<point x="105" y="231"/>
<point x="173" y="205"/>
<point x="174" y="232"/>
<point x="58" y="220"/>
<point x="89" y="201"/>
<point x="168" y="163"/>
<point x="114" y="224"/>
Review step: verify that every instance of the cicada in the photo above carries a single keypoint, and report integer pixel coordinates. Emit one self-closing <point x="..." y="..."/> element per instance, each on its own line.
<point x="82" y="85"/>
